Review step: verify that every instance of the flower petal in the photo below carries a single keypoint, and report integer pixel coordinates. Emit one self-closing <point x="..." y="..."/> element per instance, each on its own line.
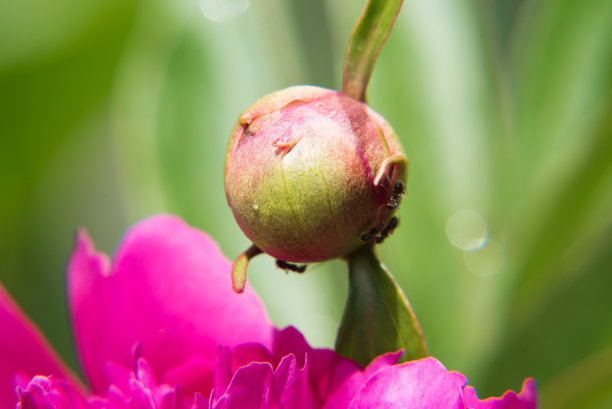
<point x="348" y="380"/>
<point x="290" y="388"/>
<point x="229" y="360"/>
<point x="24" y="350"/>
<point x="527" y="399"/>
<point x="47" y="392"/>
<point x="249" y="388"/>
<point x="169" y="289"/>
<point x="327" y="369"/>
<point x="290" y="341"/>
<point x="191" y="374"/>
<point x="421" y="384"/>
<point x="256" y="386"/>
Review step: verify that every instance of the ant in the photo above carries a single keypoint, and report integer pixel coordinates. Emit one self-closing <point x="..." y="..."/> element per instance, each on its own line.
<point x="380" y="236"/>
<point x="292" y="267"/>
<point x="369" y="236"/>
<point x="396" y="195"/>
<point x="386" y="232"/>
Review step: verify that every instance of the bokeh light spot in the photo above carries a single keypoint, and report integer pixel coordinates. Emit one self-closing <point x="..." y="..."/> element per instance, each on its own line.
<point x="467" y="230"/>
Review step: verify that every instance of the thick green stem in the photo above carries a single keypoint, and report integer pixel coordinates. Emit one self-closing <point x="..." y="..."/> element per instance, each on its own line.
<point x="377" y="317"/>
<point x="367" y="39"/>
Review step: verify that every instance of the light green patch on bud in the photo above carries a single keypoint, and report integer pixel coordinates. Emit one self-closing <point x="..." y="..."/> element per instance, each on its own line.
<point x="309" y="171"/>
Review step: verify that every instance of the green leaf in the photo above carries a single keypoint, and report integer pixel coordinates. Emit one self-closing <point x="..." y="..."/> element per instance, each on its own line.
<point x="367" y="39"/>
<point x="567" y="340"/>
<point x="586" y="384"/>
<point x="57" y="63"/>
<point x="377" y="317"/>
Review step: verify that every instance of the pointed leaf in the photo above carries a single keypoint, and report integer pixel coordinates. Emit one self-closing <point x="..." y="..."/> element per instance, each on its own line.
<point x="367" y="39"/>
<point x="377" y="317"/>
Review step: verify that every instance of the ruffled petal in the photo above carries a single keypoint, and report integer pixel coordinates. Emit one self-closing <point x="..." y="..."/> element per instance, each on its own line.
<point x="421" y="384"/>
<point x="44" y="392"/>
<point x="249" y="388"/>
<point x="229" y="360"/>
<point x="138" y="391"/>
<point x="24" y="351"/>
<point x="290" y="341"/>
<point x="527" y="399"/>
<point x="257" y="386"/>
<point x="349" y="379"/>
<point x="290" y="387"/>
<point x="191" y="374"/>
<point x="169" y="289"/>
<point x="327" y="370"/>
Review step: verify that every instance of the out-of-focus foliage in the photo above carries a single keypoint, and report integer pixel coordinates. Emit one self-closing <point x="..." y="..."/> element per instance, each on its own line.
<point x="113" y="110"/>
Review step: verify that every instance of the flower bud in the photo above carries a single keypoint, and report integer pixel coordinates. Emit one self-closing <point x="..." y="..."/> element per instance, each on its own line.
<point x="312" y="174"/>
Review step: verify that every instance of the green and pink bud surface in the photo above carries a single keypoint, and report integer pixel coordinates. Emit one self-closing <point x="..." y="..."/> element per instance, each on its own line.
<point x="311" y="174"/>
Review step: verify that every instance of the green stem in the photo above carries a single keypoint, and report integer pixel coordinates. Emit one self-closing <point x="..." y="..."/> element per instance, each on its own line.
<point x="377" y="317"/>
<point x="367" y="39"/>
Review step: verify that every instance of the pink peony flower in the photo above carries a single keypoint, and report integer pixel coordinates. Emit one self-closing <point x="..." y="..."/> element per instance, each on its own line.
<point x="161" y="328"/>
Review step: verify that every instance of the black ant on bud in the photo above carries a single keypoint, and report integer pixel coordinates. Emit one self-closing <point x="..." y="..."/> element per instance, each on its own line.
<point x="386" y="232"/>
<point x="291" y="267"/>
<point x="396" y="195"/>
<point x="369" y="236"/>
<point x="380" y="236"/>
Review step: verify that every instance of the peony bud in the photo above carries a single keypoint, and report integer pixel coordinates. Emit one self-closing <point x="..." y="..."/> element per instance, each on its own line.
<point x="312" y="174"/>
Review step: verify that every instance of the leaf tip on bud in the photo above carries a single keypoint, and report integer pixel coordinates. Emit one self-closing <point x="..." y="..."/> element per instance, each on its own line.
<point x="239" y="274"/>
<point x="239" y="269"/>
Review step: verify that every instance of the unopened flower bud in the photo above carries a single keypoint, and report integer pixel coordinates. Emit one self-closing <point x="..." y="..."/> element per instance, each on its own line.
<point x="312" y="174"/>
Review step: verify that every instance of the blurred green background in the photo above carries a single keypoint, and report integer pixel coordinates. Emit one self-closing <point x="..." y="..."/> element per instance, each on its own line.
<point x="112" y="110"/>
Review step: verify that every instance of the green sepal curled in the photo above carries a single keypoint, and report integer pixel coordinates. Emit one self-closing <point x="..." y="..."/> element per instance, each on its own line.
<point x="377" y="316"/>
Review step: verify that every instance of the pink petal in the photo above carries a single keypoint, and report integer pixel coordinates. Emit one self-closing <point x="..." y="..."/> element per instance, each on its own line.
<point x="191" y="374"/>
<point x="23" y="350"/>
<point x="255" y="386"/>
<point x="349" y="379"/>
<point x="200" y="401"/>
<point x="120" y="376"/>
<point x="527" y="399"/>
<point x="172" y="399"/>
<point x="115" y="398"/>
<point x="44" y="392"/>
<point x="142" y="397"/>
<point x="145" y="374"/>
<point x="290" y="388"/>
<point x="230" y="360"/>
<point x="327" y="369"/>
<point x="421" y="384"/>
<point x="290" y="341"/>
<point x="169" y="289"/>
<point x="249" y="388"/>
